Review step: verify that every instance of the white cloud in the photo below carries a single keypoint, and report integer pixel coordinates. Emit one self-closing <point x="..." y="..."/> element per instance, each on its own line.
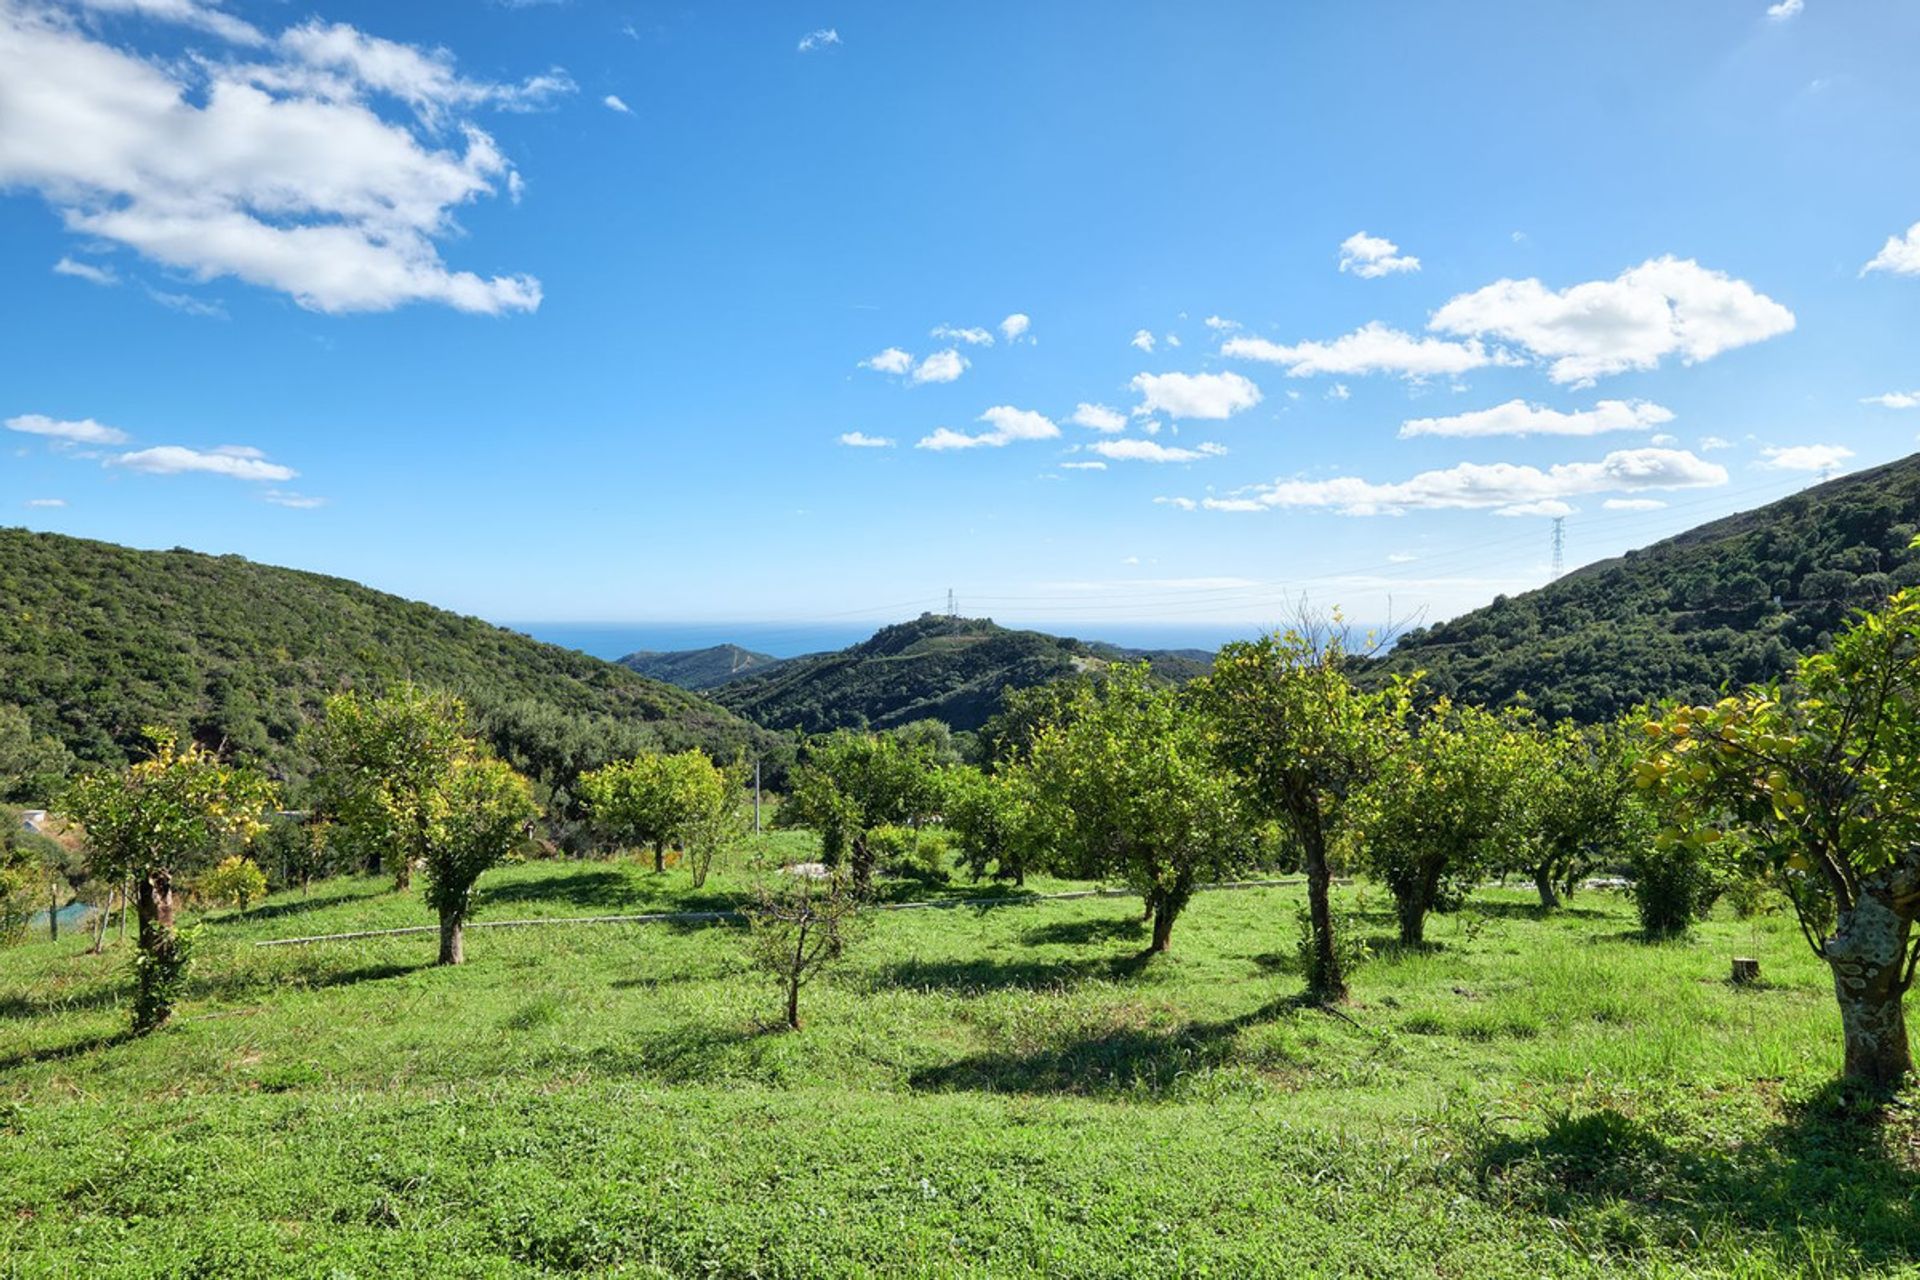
<point x="892" y="360"/>
<point x="1372" y="348"/>
<point x="1401" y="557"/>
<point x="1471" y="486"/>
<point x="1185" y="504"/>
<point x="1220" y="324"/>
<point x="861" y="440"/>
<point x="46" y="502"/>
<point x="1097" y="417"/>
<point x="1543" y="507"/>
<point x="1900" y="254"/>
<point x="1338" y="391"/>
<point x="185" y="13"/>
<point x="1195" y="395"/>
<point x="1806" y="457"/>
<point x="281" y="172"/>
<point x="1171" y="339"/>
<point x="187" y="304"/>
<point x="1141" y="340"/>
<point x="1007" y="424"/>
<point x="85" y="271"/>
<point x="941" y="366"/>
<point x="1709" y="443"/>
<point x="1083" y="466"/>
<point x="297" y="501"/>
<point x="1518" y="418"/>
<point x="818" y="39"/>
<point x="1371" y="257"/>
<point x="613" y="102"/>
<point x="1633" y="504"/>
<point x="974" y="337"/>
<point x="1895" y="400"/>
<point x="1666" y="306"/>
<point x="1785" y="9"/>
<point x="235" y="461"/>
<point x="82" y="431"/>
<point x="1131" y="450"/>
<point x="1016" y="326"/>
<point x="1663" y="440"/>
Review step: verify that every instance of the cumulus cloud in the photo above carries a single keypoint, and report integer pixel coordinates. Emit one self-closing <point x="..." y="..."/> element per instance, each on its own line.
<point x="235" y="461"/>
<point x="1806" y="457"/>
<point x="1016" y="326"/>
<point x="1220" y="324"/>
<point x="1141" y="340"/>
<point x="67" y="431"/>
<point x="1184" y="504"/>
<point x="86" y="271"/>
<point x="941" y="366"/>
<point x="1518" y="418"/>
<point x="1633" y="504"/>
<point x="283" y="172"/>
<point x="1098" y="417"/>
<point x="1476" y="486"/>
<point x="1195" y="395"/>
<point x="186" y="13"/>
<point x="1132" y="450"/>
<point x="861" y="440"/>
<point x="1900" y="255"/>
<point x="974" y="337"/>
<point x="1709" y="443"/>
<point x="892" y="360"/>
<point x="1895" y="400"/>
<point x="1372" y="348"/>
<point x="613" y="102"/>
<point x="1664" y="307"/>
<point x="1371" y="257"/>
<point x="297" y="501"/>
<point x="1083" y="466"/>
<point x="1006" y="424"/>
<point x="818" y="39"/>
<point x="1544" y="507"/>
<point x="1785" y="9"/>
<point x="46" y="502"/>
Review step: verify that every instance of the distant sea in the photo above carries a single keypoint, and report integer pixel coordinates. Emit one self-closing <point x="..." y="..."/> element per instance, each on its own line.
<point x="790" y="639"/>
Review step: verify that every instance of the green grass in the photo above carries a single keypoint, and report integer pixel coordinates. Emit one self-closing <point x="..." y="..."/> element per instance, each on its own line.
<point x="998" y="1091"/>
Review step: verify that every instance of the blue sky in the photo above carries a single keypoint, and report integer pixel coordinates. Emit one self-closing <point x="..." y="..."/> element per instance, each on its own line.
<point x="564" y="310"/>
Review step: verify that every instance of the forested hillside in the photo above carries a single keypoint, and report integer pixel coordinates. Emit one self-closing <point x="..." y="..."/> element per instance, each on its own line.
<point x="1735" y="601"/>
<point x="946" y="668"/>
<point x="698" y="669"/>
<point x="98" y="640"/>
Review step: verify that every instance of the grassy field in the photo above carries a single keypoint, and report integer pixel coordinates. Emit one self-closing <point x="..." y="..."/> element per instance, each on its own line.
<point x="997" y="1091"/>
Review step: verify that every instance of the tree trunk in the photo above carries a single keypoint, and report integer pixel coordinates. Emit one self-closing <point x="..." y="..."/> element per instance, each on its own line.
<point x="1867" y="953"/>
<point x="160" y="952"/>
<point x="1543" y="881"/>
<point x="862" y="865"/>
<point x="452" y="939"/>
<point x="53" y="909"/>
<point x="659" y="857"/>
<point x="1412" y="911"/>
<point x="100" y="926"/>
<point x="1326" y="983"/>
<point x="793" y="1004"/>
<point x="1163" y="913"/>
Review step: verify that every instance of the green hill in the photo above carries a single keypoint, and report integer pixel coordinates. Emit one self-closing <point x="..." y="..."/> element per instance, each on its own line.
<point x="698" y="669"/>
<point x="946" y="668"/>
<point x="1733" y="601"/>
<point x="98" y="640"/>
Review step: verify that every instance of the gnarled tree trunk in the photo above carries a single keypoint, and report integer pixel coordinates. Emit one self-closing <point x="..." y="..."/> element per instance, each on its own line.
<point x="159" y="944"/>
<point x="659" y="857"/>
<point x="1326" y="982"/>
<point x="1543" y="881"/>
<point x="1868" y="956"/>
<point x="452" y="936"/>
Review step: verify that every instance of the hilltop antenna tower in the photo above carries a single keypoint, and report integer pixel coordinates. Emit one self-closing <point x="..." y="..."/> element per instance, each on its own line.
<point x="953" y="606"/>
<point x="1559" y="545"/>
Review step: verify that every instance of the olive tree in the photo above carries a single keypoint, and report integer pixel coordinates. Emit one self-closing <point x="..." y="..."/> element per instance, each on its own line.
<point x="1302" y="739"/>
<point x="1125" y="781"/>
<point x="153" y="822"/>
<point x="1817" y="782"/>
<point x="380" y="763"/>
<point x="1435" y="815"/>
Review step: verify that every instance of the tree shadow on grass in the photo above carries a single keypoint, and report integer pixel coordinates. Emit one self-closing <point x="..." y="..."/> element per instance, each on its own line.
<point x="1079" y="933"/>
<point x="279" y="910"/>
<point x="1534" y="911"/>
<point x="1121" y="1060"/>
<point x="61" y="1053"/>
<point x="975" y="977"/>
<point x="1827" y="1168"/>
<point x="21" y="1008"/>
<point x="599" y="887"/>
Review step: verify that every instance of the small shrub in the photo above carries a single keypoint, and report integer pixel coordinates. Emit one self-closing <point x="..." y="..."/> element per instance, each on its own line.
<point x="1749" y="897"/>
<point x="912" y="853"/>
<point x="1672" y="887"/>
<point x="1349" y="944"/>
<point x="236" y="883"/>
<point x="798" y="928"/>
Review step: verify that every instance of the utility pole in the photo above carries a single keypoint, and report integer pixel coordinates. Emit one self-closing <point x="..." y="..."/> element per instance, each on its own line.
<point x="953" y="607"/>
<point x="1559" y="544"/>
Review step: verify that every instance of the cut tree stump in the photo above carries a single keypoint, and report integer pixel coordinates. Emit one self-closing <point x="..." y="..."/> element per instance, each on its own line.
<point x="1746" y="971"/>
